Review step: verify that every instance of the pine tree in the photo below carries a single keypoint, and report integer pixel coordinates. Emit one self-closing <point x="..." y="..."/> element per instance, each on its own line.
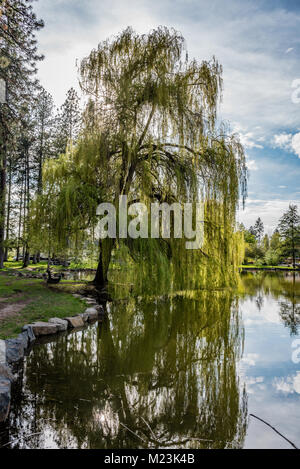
<point x="266" y="242"/>
<point x="275" y="240"/>
<point x="67" y="123"/>
<point x="43" y="123"/>
<point x="18" y="25"/>
<point x="259" y="230"/>
<point x="289" y="229"/>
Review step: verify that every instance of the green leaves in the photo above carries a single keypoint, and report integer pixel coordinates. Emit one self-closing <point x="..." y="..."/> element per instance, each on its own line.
<point x="149" y="133"/>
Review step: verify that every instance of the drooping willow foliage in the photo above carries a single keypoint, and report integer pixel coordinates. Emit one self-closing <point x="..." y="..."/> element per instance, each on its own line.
<point x="172" y="362"/>
<point x="149" y="132"/>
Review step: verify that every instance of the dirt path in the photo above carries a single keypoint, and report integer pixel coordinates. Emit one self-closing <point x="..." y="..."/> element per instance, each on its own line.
<point x="8" y="310"/>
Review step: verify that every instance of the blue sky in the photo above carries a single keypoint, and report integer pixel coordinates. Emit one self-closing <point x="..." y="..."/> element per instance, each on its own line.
<point x="258" y="44"/>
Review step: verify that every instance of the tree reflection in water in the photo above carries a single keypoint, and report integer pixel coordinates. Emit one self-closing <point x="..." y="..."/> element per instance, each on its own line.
<point x="283" y="287"/>
<point x="290" y="308"/>
<point x="157" y="373"/>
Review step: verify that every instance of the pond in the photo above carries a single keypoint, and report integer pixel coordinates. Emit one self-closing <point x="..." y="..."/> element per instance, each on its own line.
<point x="187" y="370"/>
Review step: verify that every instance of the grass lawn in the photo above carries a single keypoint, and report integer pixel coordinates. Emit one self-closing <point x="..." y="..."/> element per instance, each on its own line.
<point x="25" y="300"/>
<point x="40" y="267"/>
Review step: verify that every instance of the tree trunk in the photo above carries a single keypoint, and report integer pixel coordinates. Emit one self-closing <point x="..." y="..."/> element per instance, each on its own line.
<point x="8" y="212"/>
<point x="100" y="278"/>
<point x="2" y="199"/>
<point x="20" y="221"/>
<point x="294" y="257"/>
<point x="105" y="250"/>
<point x="26" y="260"/>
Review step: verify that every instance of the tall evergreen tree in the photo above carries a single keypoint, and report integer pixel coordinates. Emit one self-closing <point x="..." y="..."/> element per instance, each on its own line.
<point x="289" y="229"/>
<point x="67" y="123"/>
<point x="275" y="240"/>
<point x="259" y="230"/>
<point x="266" y="242"/>
<point x="18" y="25"/>
<point x="43" y="124"/>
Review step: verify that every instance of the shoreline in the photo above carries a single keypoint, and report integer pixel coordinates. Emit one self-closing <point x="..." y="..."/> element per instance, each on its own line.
<point x="268" y="269"/>
<point x="13" y="350"/>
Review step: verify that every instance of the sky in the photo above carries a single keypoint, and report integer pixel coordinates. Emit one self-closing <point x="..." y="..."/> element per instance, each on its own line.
<point x="256" y="41"/>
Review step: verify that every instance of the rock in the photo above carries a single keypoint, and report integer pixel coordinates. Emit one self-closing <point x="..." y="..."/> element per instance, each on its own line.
<point x="90" y="301"/>
<point x="43" y="328"/>
<point x="2" y="352"/>
<point x="61" y="323"/>
<point x="5" y="372"/>
<point x="92" y="314"/>
<point x="14" y="350"/>
<point x="24" y="340"/>
<point x="5" y="388"/>
<point x="29" y="332"/>
<point x="75" y="322"/>
<point x="85" y="317"/>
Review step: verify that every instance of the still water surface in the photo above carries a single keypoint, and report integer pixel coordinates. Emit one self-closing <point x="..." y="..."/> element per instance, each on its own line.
<point x="180" y="371"/>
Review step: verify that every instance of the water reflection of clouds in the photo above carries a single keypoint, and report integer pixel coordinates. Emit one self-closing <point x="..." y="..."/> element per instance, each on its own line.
<point x="288" y="385"/>
<point x="250" y="359"/>
<point x="269" y="312"/>
<point x="271" y="377"/>
<point x="254" y="384"/>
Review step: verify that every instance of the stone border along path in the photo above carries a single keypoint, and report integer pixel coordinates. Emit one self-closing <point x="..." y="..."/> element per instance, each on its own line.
<point x="13" y="350"/>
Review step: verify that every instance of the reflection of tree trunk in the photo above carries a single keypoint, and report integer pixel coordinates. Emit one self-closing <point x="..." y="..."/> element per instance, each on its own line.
<point x="119" y="392"/>
<point x="294" y="281"/>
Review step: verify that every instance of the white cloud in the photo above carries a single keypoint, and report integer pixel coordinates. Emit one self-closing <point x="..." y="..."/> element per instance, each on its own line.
<point x="296" y="144"/>
<point x="252" y="166"/>
<point x="288" y="142"/>
<point x="248" y="140"/>
<point x="283" y="141"/>
<point x="244" y="37"/>
<point x="290" y="49"/>
<point x="270" y="212"/>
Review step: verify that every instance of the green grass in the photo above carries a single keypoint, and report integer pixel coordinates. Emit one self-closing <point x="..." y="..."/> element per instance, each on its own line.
<point x="81" y="265"/>
<point x="43" y="302"/>
<point x="40" y="267"/>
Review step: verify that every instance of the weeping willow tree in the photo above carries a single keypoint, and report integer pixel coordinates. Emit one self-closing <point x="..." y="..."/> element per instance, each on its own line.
<point x="149" y="133"/>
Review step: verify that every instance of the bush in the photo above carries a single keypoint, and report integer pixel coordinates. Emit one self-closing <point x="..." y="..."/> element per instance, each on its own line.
<point x="272" y="257"/>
